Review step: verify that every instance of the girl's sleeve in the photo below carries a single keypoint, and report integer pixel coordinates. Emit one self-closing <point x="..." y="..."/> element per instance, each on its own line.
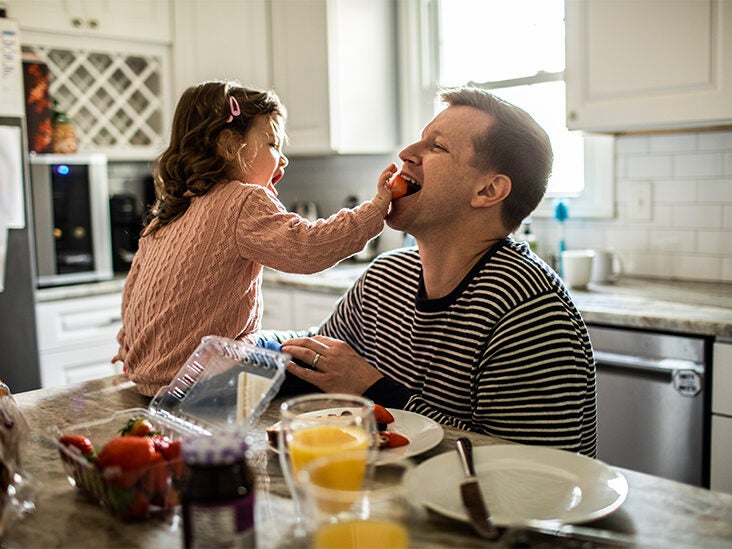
<point x="268" y="234"/>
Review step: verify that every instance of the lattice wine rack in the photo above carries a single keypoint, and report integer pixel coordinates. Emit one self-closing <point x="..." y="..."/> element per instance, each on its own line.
<point x="114" y="99"/>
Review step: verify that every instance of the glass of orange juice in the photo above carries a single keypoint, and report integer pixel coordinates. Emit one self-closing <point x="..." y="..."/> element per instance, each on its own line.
<point x="374" y="514"/>
<point x="318" y="425"/>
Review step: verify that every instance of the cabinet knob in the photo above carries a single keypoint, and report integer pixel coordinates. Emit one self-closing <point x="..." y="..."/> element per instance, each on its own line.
<point x="572" y="115"/>
<point x="93" y="23"/>
<point x="76" y="22"/>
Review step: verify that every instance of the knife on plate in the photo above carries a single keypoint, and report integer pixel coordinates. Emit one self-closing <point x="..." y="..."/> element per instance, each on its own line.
<point x="471" y="495"/>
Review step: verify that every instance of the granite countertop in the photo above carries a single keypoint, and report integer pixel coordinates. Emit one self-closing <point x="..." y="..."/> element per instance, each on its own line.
<point x="702" y="308"/>
<point x="657" y="512"/>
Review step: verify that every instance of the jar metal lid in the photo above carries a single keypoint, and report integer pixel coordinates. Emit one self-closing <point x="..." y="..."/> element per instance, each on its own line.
<point x="218" y="449"/>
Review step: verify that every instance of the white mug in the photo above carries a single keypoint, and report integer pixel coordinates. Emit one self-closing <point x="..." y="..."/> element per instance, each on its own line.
<point x="577" y="267"/>
<point x="606" y="267"/>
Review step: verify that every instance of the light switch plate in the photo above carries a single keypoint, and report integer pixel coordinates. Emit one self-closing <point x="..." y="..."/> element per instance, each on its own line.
<point x="640" y="206"/>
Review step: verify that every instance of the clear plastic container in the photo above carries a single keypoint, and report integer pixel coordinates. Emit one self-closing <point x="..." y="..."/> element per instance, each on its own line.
<point x="223" y="388"/>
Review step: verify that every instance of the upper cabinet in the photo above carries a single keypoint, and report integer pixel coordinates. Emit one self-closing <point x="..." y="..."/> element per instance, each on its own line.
<point x="648" y="64"/>
<point x="221" y="40"/>
<point x="334" y="67"/>
<point x="147" y="20"/>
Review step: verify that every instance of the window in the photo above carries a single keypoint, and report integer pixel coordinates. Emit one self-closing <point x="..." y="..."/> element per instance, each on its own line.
<point x="514" y="48"/>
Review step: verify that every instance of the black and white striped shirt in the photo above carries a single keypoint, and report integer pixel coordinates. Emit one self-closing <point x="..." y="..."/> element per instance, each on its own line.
<point x="505" y="354"/>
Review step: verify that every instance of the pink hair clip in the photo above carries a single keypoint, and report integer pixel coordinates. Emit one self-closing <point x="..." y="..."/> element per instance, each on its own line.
<point x="235" y="109"/>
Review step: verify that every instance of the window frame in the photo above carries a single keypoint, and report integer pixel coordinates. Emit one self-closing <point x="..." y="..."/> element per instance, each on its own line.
<point x="419" y="69"/>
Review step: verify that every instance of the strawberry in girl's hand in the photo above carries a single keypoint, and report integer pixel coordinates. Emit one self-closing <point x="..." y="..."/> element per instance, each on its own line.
<point x="382" y="415"/>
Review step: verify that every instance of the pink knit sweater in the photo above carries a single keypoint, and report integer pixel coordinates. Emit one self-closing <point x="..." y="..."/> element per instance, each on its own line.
<point x="202" y="274"/>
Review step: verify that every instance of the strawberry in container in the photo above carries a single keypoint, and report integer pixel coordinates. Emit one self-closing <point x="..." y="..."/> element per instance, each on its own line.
<point x="131" y="462"/>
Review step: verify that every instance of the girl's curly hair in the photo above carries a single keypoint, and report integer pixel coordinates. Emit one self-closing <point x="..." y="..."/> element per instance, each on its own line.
<point x="205" y="144"/>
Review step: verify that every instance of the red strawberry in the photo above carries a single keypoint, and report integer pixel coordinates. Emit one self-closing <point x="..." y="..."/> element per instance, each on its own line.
<point x="392" y="440"/>
<point x="124" y="459"/>
<point x="171" y="451"/>
<point x="137" y="427"/>
<point x="155" y="479"/>
<point x="382" y="415"/>
<point x="80" y="443"/>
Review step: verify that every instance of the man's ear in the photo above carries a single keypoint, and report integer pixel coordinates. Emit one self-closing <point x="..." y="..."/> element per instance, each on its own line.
<point x="493" y="189"/>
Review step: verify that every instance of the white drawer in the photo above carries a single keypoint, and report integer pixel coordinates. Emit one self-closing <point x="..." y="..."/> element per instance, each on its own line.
<point x="72" y="322"/>
<point x="80" y="364"/>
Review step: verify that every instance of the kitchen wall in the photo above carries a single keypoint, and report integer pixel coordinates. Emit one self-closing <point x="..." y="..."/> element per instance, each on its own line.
<point x="688" y="235"/>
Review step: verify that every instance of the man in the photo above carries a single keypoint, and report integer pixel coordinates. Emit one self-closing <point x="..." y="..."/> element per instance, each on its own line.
<point x="470" y="328"/>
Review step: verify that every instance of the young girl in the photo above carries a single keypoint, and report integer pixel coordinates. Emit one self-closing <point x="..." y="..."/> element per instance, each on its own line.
<point x="216" y="222"/>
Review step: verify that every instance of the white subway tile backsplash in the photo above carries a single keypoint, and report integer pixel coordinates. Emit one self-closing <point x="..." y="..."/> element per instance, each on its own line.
<point x="715" y="190"/>
<point x="627" y="238"/>
<point x="644" y="167"/>
<point x="716" y="141"/>
<point x="697" y="216"/>
<point x="727" y="218"/>
<point x="727" y="269"/>
<point x="697" y="267"/>
<point x="699" y="165"/>
<point x="689" y="236"/>
<point x="631" y="145"/>
<point x="670" y="191"/>
<point x="670" y="240"/>
<point x="655" y="265"/>
<point x="673" y="143"/>
<point x="714" y="242"/>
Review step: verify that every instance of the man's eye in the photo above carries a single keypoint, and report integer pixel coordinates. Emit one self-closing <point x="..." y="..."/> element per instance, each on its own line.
<point x="438" y="146"/>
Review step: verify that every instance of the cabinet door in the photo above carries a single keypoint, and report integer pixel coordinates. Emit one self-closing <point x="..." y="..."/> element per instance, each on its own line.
<point x="221" y="40"/>
<point x="722" y="379"/>
<point x="78" y="364"/>
<point x="147" y="20"/>
<point x="277" y="314"/>
<point x="312" y="308"/>
<point x="334" y="66"/>
<point x="79" y="322"/>
<point x="648" y="64"/>
<point x="721" y="455"/>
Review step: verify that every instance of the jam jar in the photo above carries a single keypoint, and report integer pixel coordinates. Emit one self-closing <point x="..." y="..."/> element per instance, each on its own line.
<point x="217" y="495"/>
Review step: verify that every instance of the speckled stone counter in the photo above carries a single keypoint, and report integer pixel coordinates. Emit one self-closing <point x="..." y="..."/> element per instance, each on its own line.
<point x="684" y="307"/>
<point x="657" y="513"/>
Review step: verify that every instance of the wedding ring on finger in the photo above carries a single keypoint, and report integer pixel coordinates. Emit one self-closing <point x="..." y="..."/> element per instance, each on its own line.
<point x="315" y="361"/>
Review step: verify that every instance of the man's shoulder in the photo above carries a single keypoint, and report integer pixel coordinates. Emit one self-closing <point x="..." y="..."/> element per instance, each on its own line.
<point x="514" y="268"/>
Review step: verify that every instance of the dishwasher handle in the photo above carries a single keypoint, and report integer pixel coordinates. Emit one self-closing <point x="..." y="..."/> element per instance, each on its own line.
<point x="658" y="365"/>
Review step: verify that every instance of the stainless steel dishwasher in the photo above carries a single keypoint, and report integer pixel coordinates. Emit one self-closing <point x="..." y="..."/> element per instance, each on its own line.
<point x="652" y="405"/>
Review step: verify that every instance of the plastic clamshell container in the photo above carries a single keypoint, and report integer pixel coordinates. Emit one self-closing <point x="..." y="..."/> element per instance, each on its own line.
<point x="223" y="388"/>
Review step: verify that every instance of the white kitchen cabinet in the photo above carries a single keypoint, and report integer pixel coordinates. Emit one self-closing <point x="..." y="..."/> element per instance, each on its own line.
<point x="220" y="40"/>
<point x="312" y="308"/>
<point x="721" y="452"/>
<point x="278" y="309"/>
<point x="334" y="67"/>
<point x="77" y="338"/>
<point x="295" y="309"/>
<point x="145" y="20"/>
<point x="636" y="65"/>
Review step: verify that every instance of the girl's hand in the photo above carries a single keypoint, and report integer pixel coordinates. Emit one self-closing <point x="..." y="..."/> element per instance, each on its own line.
<point x="383" y="190"/>
<point x="338" y="368"/>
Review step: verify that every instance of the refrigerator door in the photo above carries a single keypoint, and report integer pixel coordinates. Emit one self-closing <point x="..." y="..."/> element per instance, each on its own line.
<point x="12" y="103"/>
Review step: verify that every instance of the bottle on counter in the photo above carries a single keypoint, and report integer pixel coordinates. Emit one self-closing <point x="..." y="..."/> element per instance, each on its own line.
<point x="217" y="496"/>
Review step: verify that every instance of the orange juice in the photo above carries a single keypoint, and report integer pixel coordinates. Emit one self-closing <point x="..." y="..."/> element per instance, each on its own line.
<point x="362" y="534"/>
<point x="324" y="440"/>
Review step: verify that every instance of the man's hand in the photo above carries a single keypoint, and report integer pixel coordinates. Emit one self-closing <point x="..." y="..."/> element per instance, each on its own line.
<point x="337" y="367"/>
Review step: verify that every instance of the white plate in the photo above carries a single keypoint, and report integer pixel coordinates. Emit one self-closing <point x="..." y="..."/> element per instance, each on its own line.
<point x="521" y="483"/>
<point x="423" y="434"/>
